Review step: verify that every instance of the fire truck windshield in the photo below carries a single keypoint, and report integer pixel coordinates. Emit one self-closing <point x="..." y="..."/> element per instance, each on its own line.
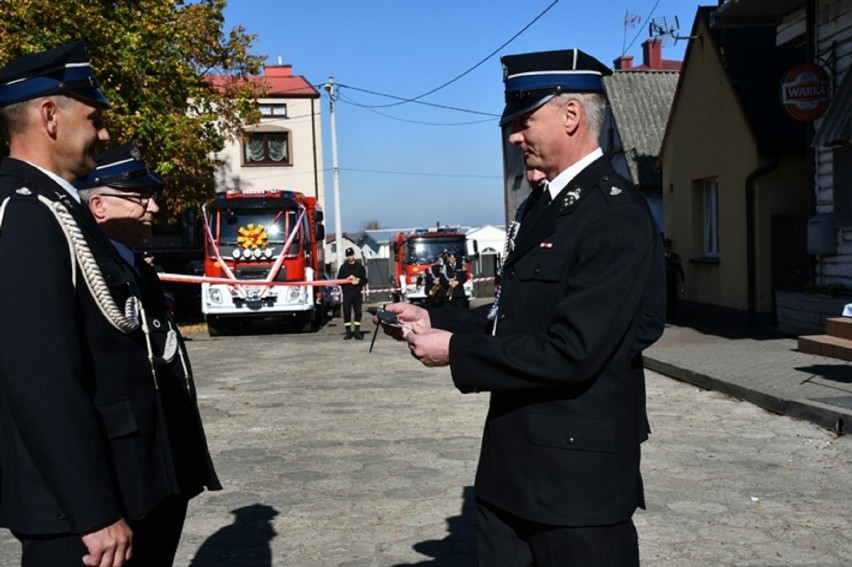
<point x="277" y="224"/>
<point x="426" y="250"/>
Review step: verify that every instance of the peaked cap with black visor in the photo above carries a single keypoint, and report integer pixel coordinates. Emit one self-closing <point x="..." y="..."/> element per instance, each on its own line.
<point x="121" y="168"/>
<point x="532" y="79"/>
<point x="64" y="70"/>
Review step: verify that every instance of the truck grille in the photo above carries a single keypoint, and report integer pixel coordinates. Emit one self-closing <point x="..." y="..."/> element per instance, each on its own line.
<point x="252" y="273"/>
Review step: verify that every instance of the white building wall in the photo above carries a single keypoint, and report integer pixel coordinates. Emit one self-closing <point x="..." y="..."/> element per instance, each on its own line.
<point x="305" y="174"/>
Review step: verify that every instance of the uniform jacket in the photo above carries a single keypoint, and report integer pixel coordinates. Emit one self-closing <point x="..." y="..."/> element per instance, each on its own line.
<point x="357" y="270"/>
<point x="454" y="272"/>
<point x="87" y="433"/>
<point x="567" y="412"/>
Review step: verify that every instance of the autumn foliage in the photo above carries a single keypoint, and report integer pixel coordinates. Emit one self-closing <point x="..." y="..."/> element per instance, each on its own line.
<point x="152" y="58"/>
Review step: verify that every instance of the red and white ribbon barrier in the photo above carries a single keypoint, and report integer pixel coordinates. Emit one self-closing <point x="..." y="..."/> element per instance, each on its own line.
<point x="183" y="278"/>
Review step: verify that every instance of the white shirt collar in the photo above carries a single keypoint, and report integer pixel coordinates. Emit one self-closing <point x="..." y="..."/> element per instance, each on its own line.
<point x="70" y="189"/>
<point x="563" y="179"/>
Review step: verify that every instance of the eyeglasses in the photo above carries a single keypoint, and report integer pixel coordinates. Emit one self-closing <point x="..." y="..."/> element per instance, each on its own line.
<point x="143" y="197"/>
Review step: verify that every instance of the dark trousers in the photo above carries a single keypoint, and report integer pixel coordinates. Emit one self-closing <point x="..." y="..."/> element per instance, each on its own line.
<point x="505" y="540"/>
<point x="671" y="301"/>
<point x="351" y="302"/>
<point x="155" y="541"/>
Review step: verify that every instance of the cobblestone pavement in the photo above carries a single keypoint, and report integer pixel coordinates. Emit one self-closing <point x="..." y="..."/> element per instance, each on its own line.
<point x="333" y="456"/>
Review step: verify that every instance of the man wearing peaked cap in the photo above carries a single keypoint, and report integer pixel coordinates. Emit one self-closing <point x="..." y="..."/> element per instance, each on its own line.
<point x="121" y="195"/>
<point x="84" y="454"/>
<point x="63" y="70"/>
<point x="582" y="294"/>
<point x="534" y="78"/>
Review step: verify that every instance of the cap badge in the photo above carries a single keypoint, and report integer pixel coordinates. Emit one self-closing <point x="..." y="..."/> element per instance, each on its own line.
<point x="24" y="191"/>
<point x="615" y="191"/>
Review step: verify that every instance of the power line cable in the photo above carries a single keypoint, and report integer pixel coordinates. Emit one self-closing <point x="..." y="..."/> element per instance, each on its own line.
<point x="489" y="56"/>
<point x="420" y="174"/>
<point x="647" y="19"/>
<point x="373" y="110"/>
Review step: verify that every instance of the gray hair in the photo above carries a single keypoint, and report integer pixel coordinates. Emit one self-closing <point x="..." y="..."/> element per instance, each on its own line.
<point x="594" y="105"/>
<point x="87" y="194"/>
<point x="13" y="118"/>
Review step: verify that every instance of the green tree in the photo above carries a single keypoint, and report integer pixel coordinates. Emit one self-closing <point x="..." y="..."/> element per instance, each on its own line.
<point x="153" y="59"/>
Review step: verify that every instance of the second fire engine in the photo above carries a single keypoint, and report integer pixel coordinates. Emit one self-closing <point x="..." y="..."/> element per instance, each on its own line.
<point x="412" y="253"/>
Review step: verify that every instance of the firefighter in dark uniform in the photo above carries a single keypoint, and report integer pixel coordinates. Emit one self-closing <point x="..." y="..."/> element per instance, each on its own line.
<point x="100" y="438"/>
<point x="353" y="271"/>
<point x="434" y="284"/>
<point x="454" y="277"/>
<point x="582" y="295"/>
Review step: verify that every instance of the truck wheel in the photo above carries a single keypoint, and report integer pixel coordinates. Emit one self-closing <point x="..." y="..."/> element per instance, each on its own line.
<point x="310" y="322"/>
<point x="395" y="297"/>
<point x="214" y="327"/>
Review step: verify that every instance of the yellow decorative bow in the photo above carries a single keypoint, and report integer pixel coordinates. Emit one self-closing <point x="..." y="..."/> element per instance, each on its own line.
<point x="252" y="236"/>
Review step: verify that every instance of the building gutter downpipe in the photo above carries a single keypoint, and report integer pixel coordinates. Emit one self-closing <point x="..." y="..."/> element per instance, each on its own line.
<point x="751" y="239"/>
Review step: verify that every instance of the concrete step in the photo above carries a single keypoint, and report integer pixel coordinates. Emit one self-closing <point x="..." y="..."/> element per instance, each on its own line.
<point x="840" y="327"/>
<point x="826" y="345"/>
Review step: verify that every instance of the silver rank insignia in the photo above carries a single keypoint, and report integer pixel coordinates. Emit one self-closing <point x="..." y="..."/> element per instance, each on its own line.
<point x="615" y="191"/>
<point x="572" y="197"/>
<point x="24" y="191"/>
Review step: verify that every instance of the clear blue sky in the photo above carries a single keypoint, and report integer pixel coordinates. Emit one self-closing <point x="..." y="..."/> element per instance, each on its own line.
<point x="414" y="164"/>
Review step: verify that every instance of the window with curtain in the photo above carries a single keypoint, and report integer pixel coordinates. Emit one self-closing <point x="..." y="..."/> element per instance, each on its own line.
<point x="710" y="210"/>
<point x="278" y="110"/>
<point x="267" y="148"/>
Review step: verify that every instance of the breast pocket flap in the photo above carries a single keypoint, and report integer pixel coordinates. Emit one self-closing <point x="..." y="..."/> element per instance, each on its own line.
<point x="119" y="419"/>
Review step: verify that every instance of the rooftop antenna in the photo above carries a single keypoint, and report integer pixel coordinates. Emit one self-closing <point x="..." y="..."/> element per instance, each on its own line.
<point x="663" y="28"/>
<point x="630" y="21"/>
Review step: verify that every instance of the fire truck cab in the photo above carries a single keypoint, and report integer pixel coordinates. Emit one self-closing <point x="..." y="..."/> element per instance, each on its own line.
<point x="264" y="236"/>
<point x="413" y="253"/>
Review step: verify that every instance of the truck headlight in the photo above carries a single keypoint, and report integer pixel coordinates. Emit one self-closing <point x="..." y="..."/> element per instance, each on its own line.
<point x="214" y="295"/>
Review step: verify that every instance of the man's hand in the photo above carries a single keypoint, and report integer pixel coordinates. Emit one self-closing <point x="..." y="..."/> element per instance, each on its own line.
<point x="416" y="319"/>
<point x="111" y="546"/>
<point x="431" y="347"/>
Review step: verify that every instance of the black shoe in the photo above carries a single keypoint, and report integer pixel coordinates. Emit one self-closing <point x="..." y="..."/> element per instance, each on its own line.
<point x="359" y="335"/>
<point x="348" y="335"/>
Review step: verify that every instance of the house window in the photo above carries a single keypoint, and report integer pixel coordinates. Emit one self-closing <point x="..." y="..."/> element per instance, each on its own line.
<point x="267" y="148"/>
<point x="273" y="110"/>
<point x="710" y="214"/>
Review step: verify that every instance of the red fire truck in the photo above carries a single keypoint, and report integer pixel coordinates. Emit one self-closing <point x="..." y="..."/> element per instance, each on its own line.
<point x="412" y="253"/>
<point x="264" y="236"/>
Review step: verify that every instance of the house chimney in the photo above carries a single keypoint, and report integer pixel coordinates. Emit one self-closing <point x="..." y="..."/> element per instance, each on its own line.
<point x="652" y="53"/>
<point x="623" y="63"/>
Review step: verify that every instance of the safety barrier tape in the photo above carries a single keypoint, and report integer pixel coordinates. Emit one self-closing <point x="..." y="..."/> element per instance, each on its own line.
<point x="396" y="289"/>
<point x="183" y="278"/>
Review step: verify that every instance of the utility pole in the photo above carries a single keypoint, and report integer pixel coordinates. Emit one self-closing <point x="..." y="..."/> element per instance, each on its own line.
<point x="338" y="234"/>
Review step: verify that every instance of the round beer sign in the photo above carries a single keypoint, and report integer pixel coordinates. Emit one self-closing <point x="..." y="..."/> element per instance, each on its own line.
<point x="805" y="92"/>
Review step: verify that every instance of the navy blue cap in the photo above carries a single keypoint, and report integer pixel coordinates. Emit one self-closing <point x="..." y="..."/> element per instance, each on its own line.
<point x="64" y="70"/>
<point x="122" y="168"/>
<point x="534" y="78"/>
